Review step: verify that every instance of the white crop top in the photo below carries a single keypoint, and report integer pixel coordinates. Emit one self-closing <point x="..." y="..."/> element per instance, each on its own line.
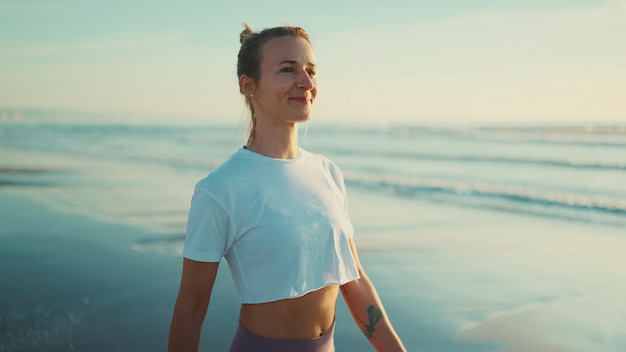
<point x="281" y="224"/>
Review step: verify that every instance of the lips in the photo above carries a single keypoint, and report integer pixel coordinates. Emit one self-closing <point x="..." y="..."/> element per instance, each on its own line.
<point x="301" y="100"/>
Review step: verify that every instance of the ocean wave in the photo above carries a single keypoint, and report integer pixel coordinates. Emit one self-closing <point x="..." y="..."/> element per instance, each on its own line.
<point x="163" y="245"/>
<point x="598" y="136"/>
<point x="585" y="135"/>
<point x="578" y="164"/>
<point x="176" y="162"/>
<point x="413" y="186"/>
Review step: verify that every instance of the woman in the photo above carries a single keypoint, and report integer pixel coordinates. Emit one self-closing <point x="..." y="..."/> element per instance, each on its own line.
<point x="279" y="215"/>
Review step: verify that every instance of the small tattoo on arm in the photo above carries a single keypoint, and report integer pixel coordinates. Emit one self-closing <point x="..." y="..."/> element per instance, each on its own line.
<point x="374" y="315"/>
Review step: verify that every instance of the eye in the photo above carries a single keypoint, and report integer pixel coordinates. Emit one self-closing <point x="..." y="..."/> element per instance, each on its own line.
<point x="311" y="73"/>
<point x="287" y="69"/>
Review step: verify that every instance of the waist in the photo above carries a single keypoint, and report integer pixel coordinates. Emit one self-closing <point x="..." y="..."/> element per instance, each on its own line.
<point x="306" y="317"/>
<point x="245" y="341"/>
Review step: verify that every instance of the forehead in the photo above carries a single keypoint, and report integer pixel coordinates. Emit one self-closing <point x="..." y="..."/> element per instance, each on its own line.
<point x="288" y="48"/>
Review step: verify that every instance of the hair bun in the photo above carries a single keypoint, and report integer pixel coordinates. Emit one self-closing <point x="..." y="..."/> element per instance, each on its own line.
<point x="246" y="33"/>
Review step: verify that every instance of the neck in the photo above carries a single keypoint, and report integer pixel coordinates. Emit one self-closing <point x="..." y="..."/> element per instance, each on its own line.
<point x="279" y="143"/>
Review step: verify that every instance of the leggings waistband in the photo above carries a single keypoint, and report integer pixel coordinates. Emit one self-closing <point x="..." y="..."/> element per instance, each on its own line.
<point x="245" y="341"/>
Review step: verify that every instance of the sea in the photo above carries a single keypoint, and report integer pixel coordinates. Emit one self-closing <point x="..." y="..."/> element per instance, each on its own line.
<point x="569" y="172"/>
<point x="510" y="235"/>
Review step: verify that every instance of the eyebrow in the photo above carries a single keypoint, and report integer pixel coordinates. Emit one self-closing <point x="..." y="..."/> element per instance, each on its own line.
<point x="293" y="62"/>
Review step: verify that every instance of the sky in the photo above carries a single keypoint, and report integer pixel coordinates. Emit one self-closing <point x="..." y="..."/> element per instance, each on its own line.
<point x="445" y="60"/>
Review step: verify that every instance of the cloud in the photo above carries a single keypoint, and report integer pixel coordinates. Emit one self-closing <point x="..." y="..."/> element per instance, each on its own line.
<point x="110" y="43"/>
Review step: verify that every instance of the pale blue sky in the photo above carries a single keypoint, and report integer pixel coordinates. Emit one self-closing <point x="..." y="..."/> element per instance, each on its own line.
<point x="531" y="60"/>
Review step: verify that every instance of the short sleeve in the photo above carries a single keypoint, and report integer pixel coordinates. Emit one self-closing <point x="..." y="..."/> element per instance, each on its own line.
<point x="339" y="180"/>
<point x="346" y="210"/>
<point x="208" y="235"/>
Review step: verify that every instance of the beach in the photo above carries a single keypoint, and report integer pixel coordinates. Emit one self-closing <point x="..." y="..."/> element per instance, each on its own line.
<point x="72" y="283"/>
<point x="502" y="240"/>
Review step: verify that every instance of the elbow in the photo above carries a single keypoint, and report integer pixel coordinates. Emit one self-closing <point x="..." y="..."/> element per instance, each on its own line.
<point x="185" y="326"/>
<point x="356" y="285"/>
<point x="192" y="313"/>
<point x="363" y="278"/>
<point x="190" y="310"/>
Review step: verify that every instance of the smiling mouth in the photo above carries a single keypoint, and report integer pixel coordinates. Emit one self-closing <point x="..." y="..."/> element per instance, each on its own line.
<point x="302" y="100"/>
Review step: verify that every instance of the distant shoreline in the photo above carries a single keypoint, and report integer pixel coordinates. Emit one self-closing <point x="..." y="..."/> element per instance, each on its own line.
<point x="74" y="116"/>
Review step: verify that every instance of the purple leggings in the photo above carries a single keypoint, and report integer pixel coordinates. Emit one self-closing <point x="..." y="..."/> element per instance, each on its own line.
<point x="245" y="341"/>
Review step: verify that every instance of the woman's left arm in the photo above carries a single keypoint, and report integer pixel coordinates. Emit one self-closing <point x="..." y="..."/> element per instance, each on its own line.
<point x="368" y="312"/>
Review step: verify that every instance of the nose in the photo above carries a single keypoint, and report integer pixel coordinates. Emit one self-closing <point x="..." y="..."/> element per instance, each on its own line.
<point x="305" y="80"/>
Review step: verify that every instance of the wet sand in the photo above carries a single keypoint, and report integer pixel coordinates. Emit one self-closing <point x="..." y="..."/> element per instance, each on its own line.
<point x="71" y="283"/>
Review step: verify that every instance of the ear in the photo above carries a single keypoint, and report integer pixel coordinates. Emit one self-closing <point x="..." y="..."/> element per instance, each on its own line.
<point x="246" y="85"/>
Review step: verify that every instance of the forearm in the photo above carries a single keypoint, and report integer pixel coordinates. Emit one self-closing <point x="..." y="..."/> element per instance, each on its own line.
<point x="191" y="305"/>
<point x="369" y="314"/>
<point x="185" y="330"/>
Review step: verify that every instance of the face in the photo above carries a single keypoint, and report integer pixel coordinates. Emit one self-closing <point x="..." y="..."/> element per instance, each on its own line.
<point x="287" y="87"/>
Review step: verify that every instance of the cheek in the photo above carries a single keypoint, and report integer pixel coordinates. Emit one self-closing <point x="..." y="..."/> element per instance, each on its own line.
<point x="282" y="86"/>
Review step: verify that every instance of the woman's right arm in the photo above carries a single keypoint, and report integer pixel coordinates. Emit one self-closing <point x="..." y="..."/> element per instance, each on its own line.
<point x="191" y="305"/>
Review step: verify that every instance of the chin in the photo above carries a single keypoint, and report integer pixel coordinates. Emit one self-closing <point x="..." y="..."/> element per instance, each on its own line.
<point x="301" y="118"/>
<point x="306" y="118"/>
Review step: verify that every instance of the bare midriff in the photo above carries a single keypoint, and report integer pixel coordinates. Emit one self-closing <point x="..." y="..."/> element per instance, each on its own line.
<point x="305" y="317"/>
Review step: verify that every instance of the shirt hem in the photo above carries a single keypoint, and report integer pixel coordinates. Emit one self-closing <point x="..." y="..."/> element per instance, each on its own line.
<point x="280" y="298"/>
